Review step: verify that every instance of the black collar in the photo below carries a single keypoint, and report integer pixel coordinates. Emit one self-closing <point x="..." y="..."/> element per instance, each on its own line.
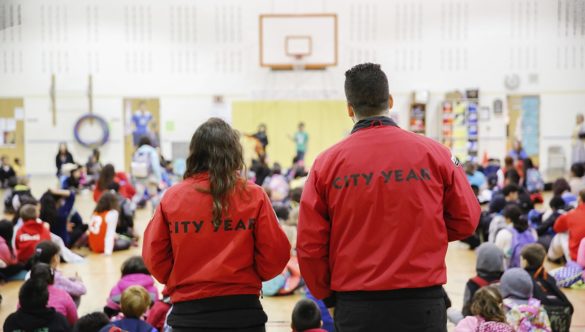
<point x="373" y="121"/>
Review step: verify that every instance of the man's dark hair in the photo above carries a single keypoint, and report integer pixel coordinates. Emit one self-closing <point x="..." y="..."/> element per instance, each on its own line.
<point x="92" y="322"/>
<point x="366" y="89"/>
<point x="34" y="294"/>
<point x="578" y="169"/>
<point x="511" y="188"/>
<point x="306" y="316"/>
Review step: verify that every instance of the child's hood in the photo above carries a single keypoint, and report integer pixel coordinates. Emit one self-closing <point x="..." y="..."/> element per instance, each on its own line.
<point x="490" y="258"/>
<point x="136" y="279"/>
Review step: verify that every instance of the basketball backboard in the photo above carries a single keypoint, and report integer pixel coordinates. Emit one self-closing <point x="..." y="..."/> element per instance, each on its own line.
<point x="287" y="39"/>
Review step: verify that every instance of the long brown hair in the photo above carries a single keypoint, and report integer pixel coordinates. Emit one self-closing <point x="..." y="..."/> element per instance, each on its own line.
<point x="106" y="177"/>
<point x="487" y="303"/>
<point x="108" y="201"/>
<point x="215" y="148"/>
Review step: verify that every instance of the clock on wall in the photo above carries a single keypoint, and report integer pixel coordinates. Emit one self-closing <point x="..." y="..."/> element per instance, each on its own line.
<point x="512" y="82"/>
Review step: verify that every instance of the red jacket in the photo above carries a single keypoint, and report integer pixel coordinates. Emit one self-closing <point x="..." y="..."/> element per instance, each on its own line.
<point x="28" y="236"/>
<point x="378" y="211"/>
<point x="574" y="223"/>
<point x="184" y="250"/>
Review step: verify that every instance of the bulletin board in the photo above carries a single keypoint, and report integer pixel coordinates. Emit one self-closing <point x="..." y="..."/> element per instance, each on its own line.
<point x="524" y="124"/>
<point x="326" y="123"/>
<point x="130" y="107"/>
<point x="12" y="128"/>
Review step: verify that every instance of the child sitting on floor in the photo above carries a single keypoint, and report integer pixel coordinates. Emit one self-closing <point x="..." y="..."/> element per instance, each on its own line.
<point x="58" y="298"/>
<point x="514" y="237"/>
<point x="306" y="317"/>
<point x="102" y="229"/>
<point x="523" y="312"/>
<point x="32" y="232"/>
<point x="135" y="302"/>
<point x="545" y="289"/>
<point x="134" y="273"/>
<point x="49" y="253"/>
<point x="34" y="313"/>
<point x="487" y="313"/>
<point x="10" y="268"/>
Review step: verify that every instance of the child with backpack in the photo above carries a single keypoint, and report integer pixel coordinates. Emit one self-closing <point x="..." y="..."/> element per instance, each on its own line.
<point x="489" y="267"/>
<point x="134" y="272"/>
<point x="48" y="252"/>
<point x="545" y="289"/>
<point x="523" y="312"/>
<point x="487" y="313"/>
<point x="514" y="237"/>
<point x="102" y="236"/>
<point x="306" y="317"/>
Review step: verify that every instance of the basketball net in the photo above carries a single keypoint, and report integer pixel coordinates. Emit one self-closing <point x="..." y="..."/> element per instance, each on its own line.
<point x="298" y="62"/>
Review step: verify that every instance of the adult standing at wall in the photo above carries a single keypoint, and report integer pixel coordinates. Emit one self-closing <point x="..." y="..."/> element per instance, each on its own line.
<point x="578" y="153"/>
<point x="214" y="238"/>
<point x="376" y="216"/>
<point x="63" y="157"/>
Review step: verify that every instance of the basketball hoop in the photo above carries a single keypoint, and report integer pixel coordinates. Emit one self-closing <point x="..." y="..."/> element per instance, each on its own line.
<point x="298" y="62"/>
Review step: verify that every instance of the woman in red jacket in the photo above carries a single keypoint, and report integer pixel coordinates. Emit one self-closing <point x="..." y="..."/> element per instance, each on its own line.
<point x="214" y="238"/>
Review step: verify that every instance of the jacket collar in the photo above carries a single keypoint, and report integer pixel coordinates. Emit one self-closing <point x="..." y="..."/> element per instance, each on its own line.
<point x="372" y="122"/>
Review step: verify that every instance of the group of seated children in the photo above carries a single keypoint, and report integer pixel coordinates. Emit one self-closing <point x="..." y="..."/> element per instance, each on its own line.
<point x="524" y="298"/>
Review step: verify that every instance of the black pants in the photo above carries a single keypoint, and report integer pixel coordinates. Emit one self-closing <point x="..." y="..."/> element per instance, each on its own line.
<point x="420" y="315"/>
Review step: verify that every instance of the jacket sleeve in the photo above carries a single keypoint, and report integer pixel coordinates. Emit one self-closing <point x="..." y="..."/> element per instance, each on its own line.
<point x="271" y="246"/>
<point x="461" y="209"/>
<point x="313" y="239"/>
<point x="157" y="251"/>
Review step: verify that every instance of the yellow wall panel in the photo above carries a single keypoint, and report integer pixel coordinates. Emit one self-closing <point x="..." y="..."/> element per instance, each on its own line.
<point x="326" y="122"/>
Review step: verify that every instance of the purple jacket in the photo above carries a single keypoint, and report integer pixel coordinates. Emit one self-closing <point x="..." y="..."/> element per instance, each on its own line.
<point x="135" y="279"/>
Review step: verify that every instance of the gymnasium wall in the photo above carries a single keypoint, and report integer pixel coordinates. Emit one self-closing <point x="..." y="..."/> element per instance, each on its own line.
<point x="184" y="52"/>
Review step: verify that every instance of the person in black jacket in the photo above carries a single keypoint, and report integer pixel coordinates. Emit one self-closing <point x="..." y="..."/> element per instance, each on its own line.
<point x="63" y="157"/>
<point x="33" y="314"/>
<point x="556" y="303"/>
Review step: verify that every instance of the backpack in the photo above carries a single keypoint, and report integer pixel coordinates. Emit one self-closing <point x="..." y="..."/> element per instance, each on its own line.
<point x="519" y="240"/>
<point x="141" y="164"/>
<point x="494" y="327"/>
<point x="527" y="317"/>
<point x="560" y="317"/>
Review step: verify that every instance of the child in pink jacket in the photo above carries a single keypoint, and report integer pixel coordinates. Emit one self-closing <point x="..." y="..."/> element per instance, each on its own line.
<point x="487" y="308"/>
<point x="58" y="298"/>
<point x="134" y="273"/>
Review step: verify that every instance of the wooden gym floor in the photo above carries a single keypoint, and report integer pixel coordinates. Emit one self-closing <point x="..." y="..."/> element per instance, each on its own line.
<point x="100" y="273"/>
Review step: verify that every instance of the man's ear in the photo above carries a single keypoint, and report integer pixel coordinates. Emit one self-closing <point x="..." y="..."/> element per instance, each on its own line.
<point x="350" y="111"/>
<point x="390" y="102"/>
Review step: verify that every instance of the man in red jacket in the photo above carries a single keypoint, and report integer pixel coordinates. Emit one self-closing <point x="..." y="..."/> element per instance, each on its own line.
<point x="377" y="213"/>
